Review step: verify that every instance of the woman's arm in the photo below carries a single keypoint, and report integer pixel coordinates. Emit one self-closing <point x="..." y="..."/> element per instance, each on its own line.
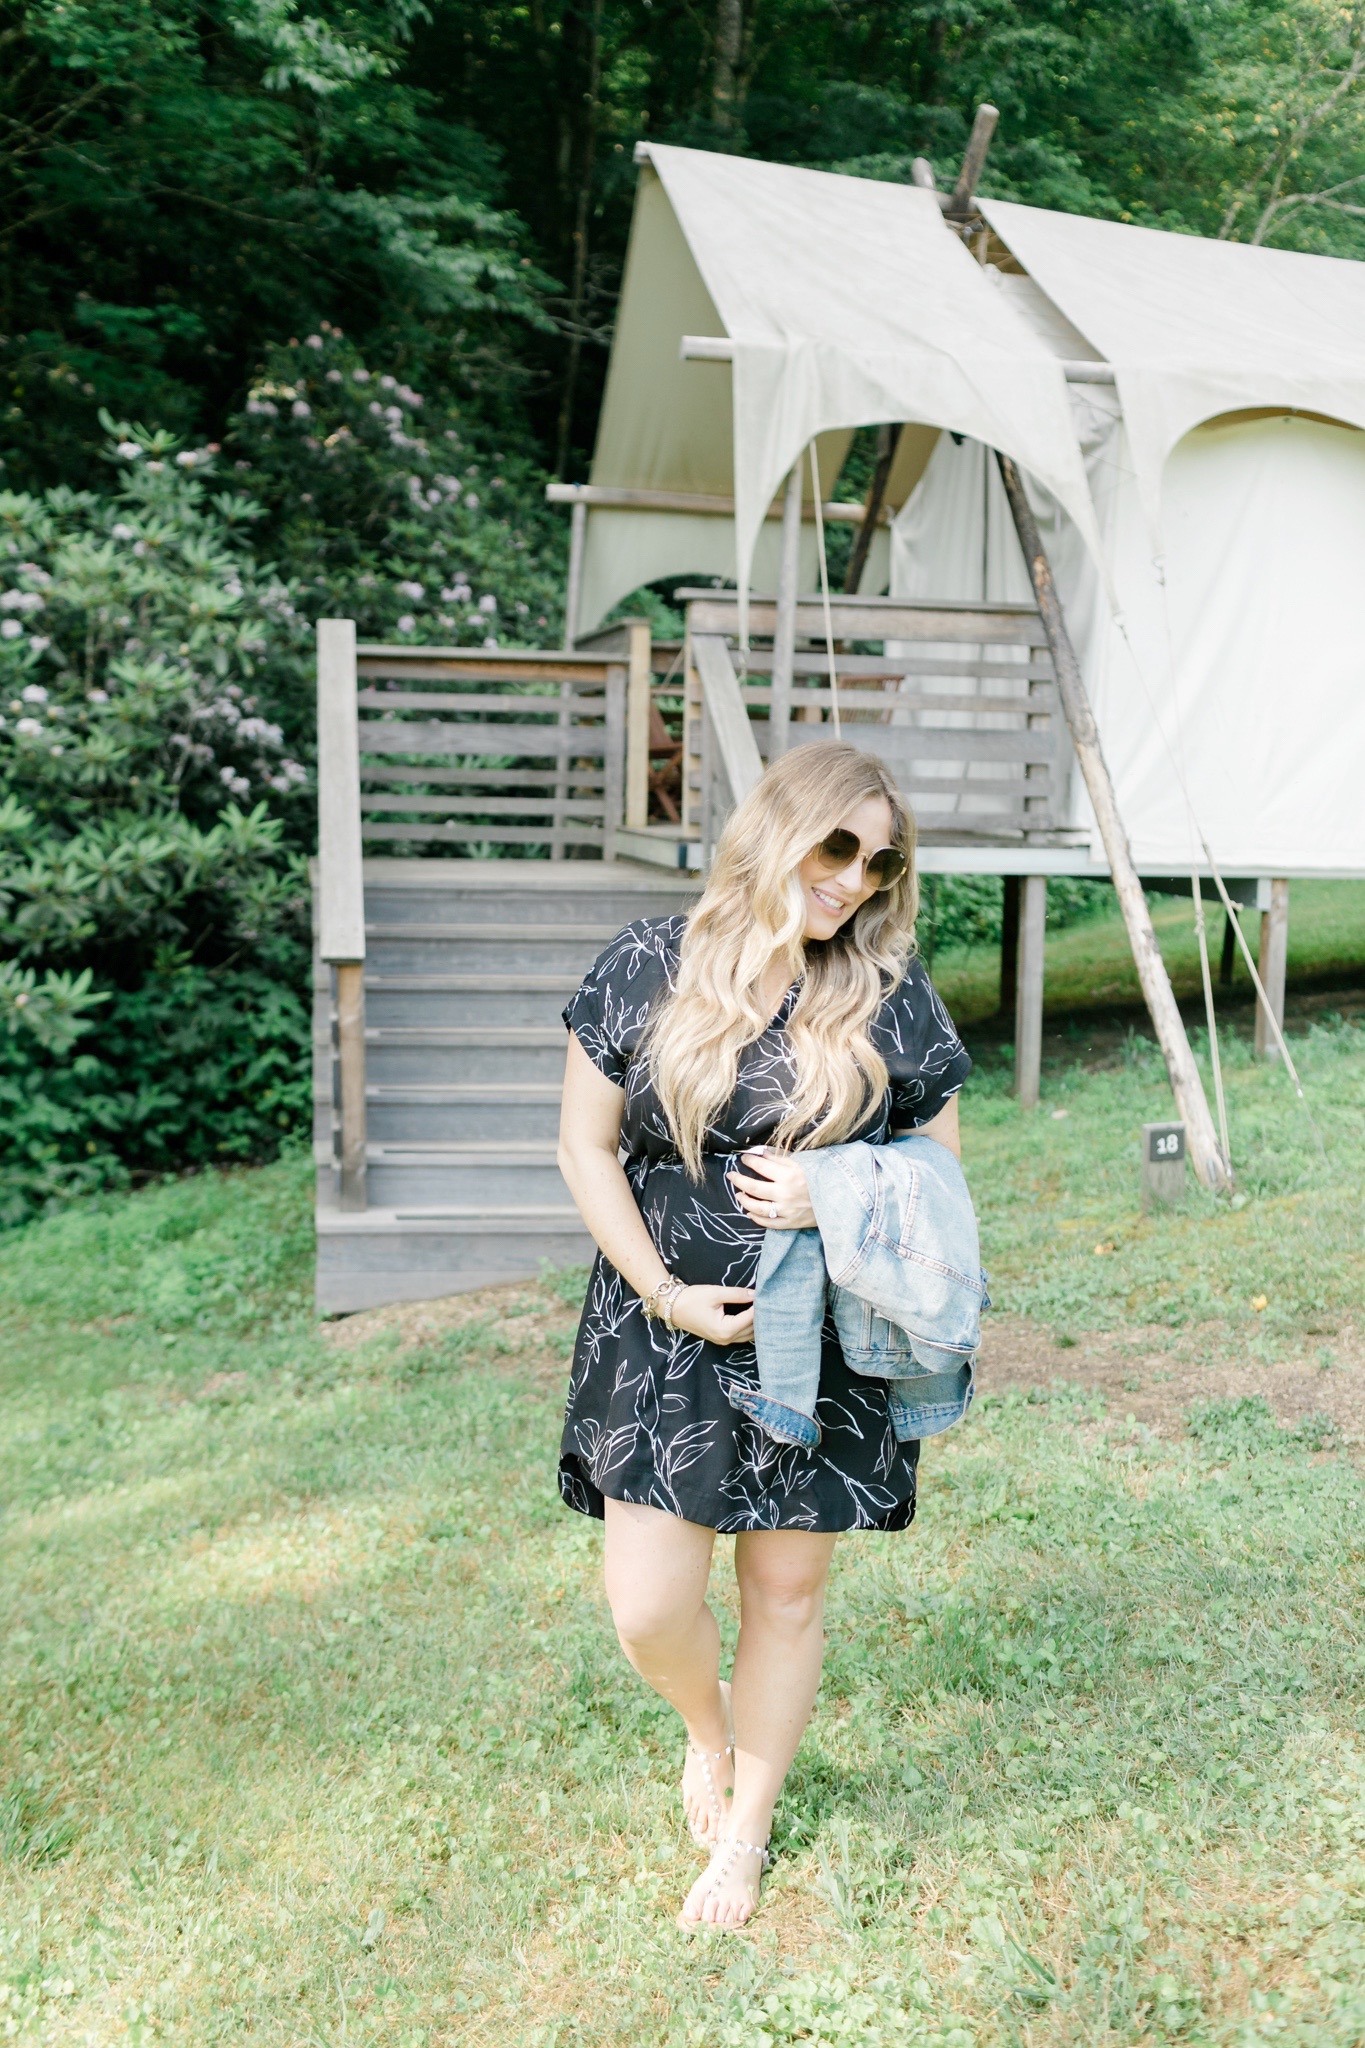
<point x="589" y="1141"/>
<point x="943" y="1127"/>
<point x="772" y="1191"/>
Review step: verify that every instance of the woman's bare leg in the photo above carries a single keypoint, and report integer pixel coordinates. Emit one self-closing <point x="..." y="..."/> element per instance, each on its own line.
<point x="657" y="1567"/>
<point x="781" y="1574"/>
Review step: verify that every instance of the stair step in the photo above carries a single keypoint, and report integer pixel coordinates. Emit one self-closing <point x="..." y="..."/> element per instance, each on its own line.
<point x="462" y="1113"/>
<point x="471" y="1035"/>
<point x="479" y="1219"/>
<point x="447" y="1053"/>
<point x="512" y="983"/>
<point x="483" y="1151"/>
<point x="397" y="957"/>
<point x="452" y="905"/>
<point x="420" y="1254"/>
<point x="496" y="930"/>
<point x="489" y="1009"/>
<point x="502" y="1175"/>
<point x="492" y="1093"/>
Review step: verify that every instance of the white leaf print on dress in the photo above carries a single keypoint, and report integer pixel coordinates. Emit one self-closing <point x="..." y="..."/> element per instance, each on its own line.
<point x="648" y="1419"/>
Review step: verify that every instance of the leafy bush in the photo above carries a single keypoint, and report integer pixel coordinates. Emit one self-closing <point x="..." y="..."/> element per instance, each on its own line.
<point x="389" y="507"/>
<point x="152" y="909"/>
<point x="967" y="910"/>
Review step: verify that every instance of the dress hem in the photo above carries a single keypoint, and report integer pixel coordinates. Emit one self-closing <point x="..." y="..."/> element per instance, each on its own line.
<point x="582" y="1496"/>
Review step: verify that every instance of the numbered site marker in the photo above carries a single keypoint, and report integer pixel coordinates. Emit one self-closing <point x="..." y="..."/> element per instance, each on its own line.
<point x="1163" y="1164"/>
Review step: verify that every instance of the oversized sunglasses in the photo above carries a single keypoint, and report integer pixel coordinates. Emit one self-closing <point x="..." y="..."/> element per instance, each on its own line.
<point x="883" y="868"/>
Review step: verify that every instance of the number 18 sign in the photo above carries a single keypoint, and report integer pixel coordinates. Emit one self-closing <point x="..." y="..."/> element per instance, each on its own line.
<point x="1163" y="1163"/>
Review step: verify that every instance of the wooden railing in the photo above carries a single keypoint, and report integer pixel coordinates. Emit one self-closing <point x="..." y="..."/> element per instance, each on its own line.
<point x="960" y="702"/>
<point x="459" y="751"/>
<point x="465" y="750"/>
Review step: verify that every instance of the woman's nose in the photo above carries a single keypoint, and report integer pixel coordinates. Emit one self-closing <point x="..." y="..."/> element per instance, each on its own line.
<point x="852" y="876"/>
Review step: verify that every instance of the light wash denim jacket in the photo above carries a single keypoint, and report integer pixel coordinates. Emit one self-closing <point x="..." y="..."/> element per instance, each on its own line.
<point x="898" y="1255"/>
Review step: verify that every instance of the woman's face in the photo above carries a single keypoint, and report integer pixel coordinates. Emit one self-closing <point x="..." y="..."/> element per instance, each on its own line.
<point x="831" y="899"/>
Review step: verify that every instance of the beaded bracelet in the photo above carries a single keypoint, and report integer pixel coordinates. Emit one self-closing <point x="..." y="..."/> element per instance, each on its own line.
<point x="658" y="1303"/>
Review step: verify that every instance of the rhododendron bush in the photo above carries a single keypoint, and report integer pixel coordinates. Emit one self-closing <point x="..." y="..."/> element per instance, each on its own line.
<point x="155" y="696"/>
<point x="387" y="505"/>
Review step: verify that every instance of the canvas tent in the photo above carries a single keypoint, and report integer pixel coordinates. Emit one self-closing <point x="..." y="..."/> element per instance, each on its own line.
<point x="1204" y="506"/>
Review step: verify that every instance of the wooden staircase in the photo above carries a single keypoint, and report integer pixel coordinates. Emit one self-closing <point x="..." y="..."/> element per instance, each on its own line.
<point x="468" y="964"/>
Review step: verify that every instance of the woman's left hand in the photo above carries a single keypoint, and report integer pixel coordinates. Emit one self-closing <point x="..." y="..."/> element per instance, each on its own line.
<point x="772" y="1190"/>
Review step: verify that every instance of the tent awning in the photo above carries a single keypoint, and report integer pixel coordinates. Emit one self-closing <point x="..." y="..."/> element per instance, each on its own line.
<point x="1195" y="328"/>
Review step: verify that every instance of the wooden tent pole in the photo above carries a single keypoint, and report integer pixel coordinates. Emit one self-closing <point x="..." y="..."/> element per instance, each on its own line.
<point x="1186" y="1085"/>
<point x="888" y="440"/>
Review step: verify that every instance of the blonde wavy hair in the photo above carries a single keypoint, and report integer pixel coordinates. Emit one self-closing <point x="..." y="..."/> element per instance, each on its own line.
<point x="751" y="913"/>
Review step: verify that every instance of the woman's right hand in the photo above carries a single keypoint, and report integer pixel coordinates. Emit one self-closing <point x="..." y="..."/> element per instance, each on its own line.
<point x="701" y="1312"/>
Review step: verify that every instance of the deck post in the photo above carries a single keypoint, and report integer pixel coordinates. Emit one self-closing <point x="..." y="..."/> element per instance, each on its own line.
<point x="614" y="758"/>
<point x="639" y="702"/>
<point x="1009" y="944"/>
<point x="341" y="888"/>
<point x="573" y="588"/>
<point x="784" y="637"/>
<point x="1028" y="1001"/>
<point x="1273" y="961"/>
<point x="1187" y="1087"/>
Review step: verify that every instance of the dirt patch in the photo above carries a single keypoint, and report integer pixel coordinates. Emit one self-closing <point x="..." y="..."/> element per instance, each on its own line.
<point x="1150" y="1373"/>
<point x="529" y="1326"/>
<point x="1157" y="1378"/>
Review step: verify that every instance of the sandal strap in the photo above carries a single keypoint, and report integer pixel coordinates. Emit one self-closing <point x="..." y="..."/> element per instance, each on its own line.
<point x="759" y="1849"/>
<point x="726" y="1850"/>
<point x="716" y="1755"/>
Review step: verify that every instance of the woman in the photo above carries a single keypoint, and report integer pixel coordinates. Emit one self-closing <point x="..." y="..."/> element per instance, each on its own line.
<point x="785" y="1010"/>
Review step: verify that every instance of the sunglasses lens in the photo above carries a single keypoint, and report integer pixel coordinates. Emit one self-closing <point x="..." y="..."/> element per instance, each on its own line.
<point x="886" y="867"/>
<point x="839" y="849"/>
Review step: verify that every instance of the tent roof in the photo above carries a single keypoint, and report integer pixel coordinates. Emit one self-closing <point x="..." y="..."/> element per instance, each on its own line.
<point x="846" y="302"/>
<point x="1195" y="327"/>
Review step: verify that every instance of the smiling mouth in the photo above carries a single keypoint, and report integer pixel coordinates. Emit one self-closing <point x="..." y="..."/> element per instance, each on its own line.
<point x="825" y="900"/>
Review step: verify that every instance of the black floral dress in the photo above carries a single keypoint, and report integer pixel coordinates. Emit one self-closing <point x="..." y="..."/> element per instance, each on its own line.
<point x="648" y="1417"/>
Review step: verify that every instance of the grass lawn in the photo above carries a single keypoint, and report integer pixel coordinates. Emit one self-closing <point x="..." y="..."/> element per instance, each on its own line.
<point x="1090" y="966"/>
<point x="312" y="1729"/>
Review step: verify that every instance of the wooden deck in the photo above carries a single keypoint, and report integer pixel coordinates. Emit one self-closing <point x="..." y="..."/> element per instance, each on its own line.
<point x="489" y="819"/>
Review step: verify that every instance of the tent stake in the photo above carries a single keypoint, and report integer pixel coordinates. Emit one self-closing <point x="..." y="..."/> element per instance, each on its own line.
<point x="1186" y="1085"/>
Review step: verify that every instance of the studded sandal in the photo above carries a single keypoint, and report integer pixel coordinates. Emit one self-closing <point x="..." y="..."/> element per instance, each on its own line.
<point x="707" y="1757"/>
<point x="722" y="1857"/>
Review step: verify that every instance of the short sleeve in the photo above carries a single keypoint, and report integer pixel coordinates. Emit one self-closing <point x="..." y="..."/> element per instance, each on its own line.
<point x="925" y="1059"/>
<point x="610" y="1010"/>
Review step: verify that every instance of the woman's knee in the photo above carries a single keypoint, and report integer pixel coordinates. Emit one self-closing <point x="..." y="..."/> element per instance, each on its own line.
<point x="648" y="1615"/>
<point x="790" y="1598"/>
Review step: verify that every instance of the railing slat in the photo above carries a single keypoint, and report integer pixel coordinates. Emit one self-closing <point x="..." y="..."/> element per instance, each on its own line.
<point x="522" y="703"/>
<point x="481" y="778"/>
<point x="425" y="736"/>
<point x="485" y="806"/>
<point x="461" y="831"/>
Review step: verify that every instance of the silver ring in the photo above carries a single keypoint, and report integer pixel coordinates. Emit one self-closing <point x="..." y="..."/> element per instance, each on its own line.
<point x="772" y="1210"/>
